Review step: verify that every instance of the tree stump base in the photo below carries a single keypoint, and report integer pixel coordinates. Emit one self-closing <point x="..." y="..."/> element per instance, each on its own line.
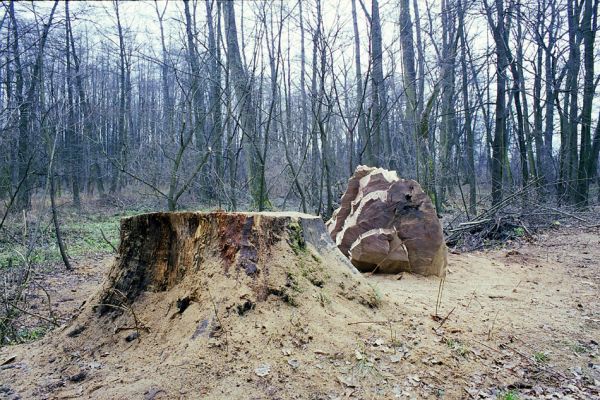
<point x="253" y="255"/>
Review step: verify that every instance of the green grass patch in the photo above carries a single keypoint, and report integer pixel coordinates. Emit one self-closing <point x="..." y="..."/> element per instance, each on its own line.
<point x="540" y="357"/>
<point x="510" y="395"/>
<point x="458" y="347"/>
<point x="32" y="334"/>
<point x="82" y="235"/>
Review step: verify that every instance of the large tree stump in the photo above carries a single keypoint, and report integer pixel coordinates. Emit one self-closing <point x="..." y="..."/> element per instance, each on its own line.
<point x="161" y="250"/>
<point x="388" y="224"/>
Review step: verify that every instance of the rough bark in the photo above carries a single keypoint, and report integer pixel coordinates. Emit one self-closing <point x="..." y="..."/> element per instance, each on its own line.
<point x="585" y="171"/>
<point x="569" y="129"/>
<point x="470" y="137"/>
<point x="122" y="128"/>
<point x="448" y="127"/>
<point x="409" y="77"/>
<point x="549" y="77"/>
<point x="365" y="153"/>
<point x="74" y="148"/>
<point x="159" y="251"/>
<point x="500" y="34"/>
<point x="214" y="49"/>
<point x="243" y="89"/>
<point x="381" y="138"/>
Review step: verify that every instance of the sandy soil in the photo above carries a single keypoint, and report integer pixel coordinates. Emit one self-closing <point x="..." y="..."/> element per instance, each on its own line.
<point x="524" y="319"/>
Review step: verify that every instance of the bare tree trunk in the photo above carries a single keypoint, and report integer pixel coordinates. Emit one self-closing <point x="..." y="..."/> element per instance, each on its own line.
<point x="122" y="133"/>
<point x="167" y="105"/>
<point x="26" y="102"/>
<point x="326" y="152"/>
<point x="500" y="138"/>
<point x="57" y="231"/>
<point x="287" y="130"/>
<point x="365" y="153"/>
<point x="215" y="89"/>
<point x="585" y="170"/>
<point x="409" y="77"/>
<point x="549" y="75"/>
<point x="243" y="88"/>
<point x="304" y="97"/>
<point x="516" y="95"/>
<point x="196" y="97"/>
<point x="316" y="111"/>
<point x="74" y="149"/>
<point x="381" y="138"/>
<point x="86" y="116"/>
<point x="595" y="153"/>
<point x="537" y="111"/>
<point x="572" y="92"/>
<point x="22" y="198"/>
<point x="420" y="74"/>
<point x="531" y="161"/>
<point x="470" y="137"/>
<point x="448" y="129"/>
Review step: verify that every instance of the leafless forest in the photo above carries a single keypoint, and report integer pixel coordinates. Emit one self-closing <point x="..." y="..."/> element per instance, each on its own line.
<point x="273" y="104"/>
<point x="110" y="109"/>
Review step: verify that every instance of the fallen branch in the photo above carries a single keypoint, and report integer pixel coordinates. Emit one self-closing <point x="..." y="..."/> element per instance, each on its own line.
<point x="564" y="213"/>
<point x="372" y="322"/>
<point x="34" y="315"/>
<point x="446" y="318"/>
<point x="108" y="241"/>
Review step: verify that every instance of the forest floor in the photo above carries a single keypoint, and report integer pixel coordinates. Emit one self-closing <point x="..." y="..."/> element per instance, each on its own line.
<point x="517" y="322"/>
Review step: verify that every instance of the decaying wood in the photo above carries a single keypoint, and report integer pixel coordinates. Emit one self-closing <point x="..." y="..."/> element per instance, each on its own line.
<point x="159" y="250"/>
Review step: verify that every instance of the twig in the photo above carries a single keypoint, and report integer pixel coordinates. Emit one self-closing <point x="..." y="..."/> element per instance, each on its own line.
<point x="486" y="216"/>
<point x="446" y="318"/>
<point x="50" y="311"/>
<point x="126" y="307"/>
<point x="219" y="321"/>
<point x="373" y="322"/>
<point x="492" y="327"/>
<point x="108" y="241"/>
<point x="34" y="315"/>
<point x="438" y="301"/>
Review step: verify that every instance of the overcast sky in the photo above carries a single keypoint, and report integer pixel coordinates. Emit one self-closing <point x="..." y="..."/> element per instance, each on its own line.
<point x="141" y="20"/>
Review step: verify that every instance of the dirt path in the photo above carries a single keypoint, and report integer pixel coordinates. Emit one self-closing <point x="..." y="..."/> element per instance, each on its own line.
<point x="527" y="318"/>
<point x="524" y="321"/>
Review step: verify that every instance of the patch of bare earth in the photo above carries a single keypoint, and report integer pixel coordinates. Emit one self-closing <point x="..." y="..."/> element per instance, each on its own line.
<point x="525" y="319"/>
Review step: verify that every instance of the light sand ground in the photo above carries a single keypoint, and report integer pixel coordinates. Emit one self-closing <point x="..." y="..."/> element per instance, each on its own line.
<point x="525" y="319"/>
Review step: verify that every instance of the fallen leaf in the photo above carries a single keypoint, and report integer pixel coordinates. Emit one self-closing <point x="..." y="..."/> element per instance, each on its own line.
<point x="262" y="370"/>
<point x="347" y="381"/>
<point x="395" y="358"/>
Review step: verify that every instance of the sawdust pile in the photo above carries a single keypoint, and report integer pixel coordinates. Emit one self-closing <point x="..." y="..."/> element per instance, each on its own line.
<point x="219" y="304"/>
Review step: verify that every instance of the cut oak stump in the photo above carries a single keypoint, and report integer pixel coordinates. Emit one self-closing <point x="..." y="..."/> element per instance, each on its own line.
<point x="201" y="301"/>
<point x="252" y="255"/>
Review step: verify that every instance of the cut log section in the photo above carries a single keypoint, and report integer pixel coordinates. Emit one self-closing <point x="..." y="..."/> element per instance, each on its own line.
<point x="388" y="224"/>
